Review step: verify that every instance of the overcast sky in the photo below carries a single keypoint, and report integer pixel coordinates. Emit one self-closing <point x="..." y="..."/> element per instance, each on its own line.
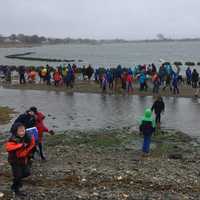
<point x="128" y="19"/>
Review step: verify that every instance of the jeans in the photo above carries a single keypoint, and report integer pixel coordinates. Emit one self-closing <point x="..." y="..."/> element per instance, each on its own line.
<point x="175" y="89"/>
<point x="143" y="86"/>
<point x="156" y="89"/>
<point x="22" y="79"/>
<point x="146" y="143"/>
<point x="129" y="87"/>
<point x="41" y="151"/>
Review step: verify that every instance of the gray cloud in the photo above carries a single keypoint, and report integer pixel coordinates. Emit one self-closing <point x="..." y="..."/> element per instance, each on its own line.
<point x="129" y="19"/>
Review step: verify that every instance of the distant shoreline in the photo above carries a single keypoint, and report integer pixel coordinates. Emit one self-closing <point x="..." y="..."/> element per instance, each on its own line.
<point x="96" y="42"/>
<point x="17" y="45"/>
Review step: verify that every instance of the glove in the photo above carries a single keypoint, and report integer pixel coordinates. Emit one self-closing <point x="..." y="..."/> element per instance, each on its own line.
<point x="51" y="132"/>
<point x="25" y="145"/>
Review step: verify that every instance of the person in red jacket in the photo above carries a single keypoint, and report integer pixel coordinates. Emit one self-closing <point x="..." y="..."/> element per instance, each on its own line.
<point x="57" y="77"/>
<point x="19" y="148"/>
<point x="41" y="129"/>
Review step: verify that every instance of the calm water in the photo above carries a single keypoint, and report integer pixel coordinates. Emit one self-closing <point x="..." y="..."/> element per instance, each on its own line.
<point x="96" y="111"/>
<point x="104" y="55"/>
<point x="88" y="111"/>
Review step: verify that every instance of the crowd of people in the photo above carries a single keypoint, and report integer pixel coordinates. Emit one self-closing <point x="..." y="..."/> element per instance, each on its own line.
<point x="162" y="78"/>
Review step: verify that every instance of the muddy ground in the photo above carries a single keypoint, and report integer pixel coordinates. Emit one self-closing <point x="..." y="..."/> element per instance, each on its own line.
<point x="6" y="114"/>
<point x="108" y="164"/>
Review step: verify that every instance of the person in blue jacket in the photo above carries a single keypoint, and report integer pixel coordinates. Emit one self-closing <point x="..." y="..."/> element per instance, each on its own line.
<point x="189" y="75"/>
<point x="147" y="128"/>
<point x="175" y="84"/>
<point x="143" y="83"/>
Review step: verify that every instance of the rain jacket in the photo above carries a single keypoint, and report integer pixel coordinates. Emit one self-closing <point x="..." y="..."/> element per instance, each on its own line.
<point x="19" y="149"/>
<point x="147" y="123"/>
<point x="40" y="125"/>
<point x="57" y="76"/>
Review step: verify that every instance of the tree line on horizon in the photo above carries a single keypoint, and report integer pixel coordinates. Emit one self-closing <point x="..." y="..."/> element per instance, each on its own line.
<point x="35" y="39"/>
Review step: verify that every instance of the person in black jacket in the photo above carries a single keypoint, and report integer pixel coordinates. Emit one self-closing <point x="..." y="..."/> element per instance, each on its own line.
<point x="195" y="78"/>
<point x="158" y="107"/>
<point x="22" y="71"/>
<point x="28" y="119"/>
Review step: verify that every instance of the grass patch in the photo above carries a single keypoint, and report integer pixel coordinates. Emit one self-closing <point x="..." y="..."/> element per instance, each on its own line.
<point x="95" y="140"/>
<point x="5" y="114"/>
<point x="89" y="140"/>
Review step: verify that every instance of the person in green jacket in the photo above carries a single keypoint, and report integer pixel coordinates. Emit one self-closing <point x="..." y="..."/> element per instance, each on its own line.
<point x="147" y="128"/>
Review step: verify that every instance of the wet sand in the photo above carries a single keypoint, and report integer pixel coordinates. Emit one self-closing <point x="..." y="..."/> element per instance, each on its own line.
<point x="93" y="87"/>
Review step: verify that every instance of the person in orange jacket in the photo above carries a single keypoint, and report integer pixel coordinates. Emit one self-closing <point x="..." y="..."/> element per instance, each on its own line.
<point x="57" y="77"/>
<point x="41" y="129"/>
<point x="19" y="148"/>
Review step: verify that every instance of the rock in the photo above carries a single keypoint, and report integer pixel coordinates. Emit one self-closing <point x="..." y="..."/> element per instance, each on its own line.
<point x="83" y="180"/>
<point x="119" y="178"/>
<point x="1" y="195"/>
<point x="176" y="156"/>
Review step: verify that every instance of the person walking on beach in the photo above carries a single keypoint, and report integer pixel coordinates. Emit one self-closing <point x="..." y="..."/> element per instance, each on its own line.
<point x="188" y="75"/>
<point x="22" y="71"/>
<point x="195" y="78"/>
<point x="143" y="82"/>
<point x="156" y="83"/>
<point x="117" y="76"/>
<point x="124" y="80"/>
<point x="168" y="81"/>
<point x="147" y="128"/>
<point x="129" y="83"/>
<point x="19" y="148"/>
<point x="8" y="75"/>
<point x="104" y="83"/>
<point x="27" y="119"/>
<point x="110" y="78"/>
<point x="158" y="107"/>
<point x="57" y="77"/>
<point x="175" y="84"/>
<point x="41" y="129"/>
<point x="89" y="72"/>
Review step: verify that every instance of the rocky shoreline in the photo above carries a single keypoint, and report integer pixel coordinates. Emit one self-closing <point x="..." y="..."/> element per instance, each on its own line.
<point x="108" y="164"/>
